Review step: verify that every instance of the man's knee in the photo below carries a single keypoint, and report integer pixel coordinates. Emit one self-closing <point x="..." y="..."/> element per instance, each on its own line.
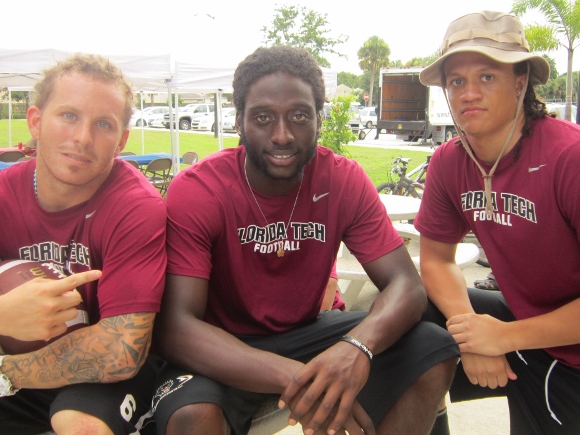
<point x="205" y="417"/>
<point x="71" y="422"/>
<point x="439" y="377"/>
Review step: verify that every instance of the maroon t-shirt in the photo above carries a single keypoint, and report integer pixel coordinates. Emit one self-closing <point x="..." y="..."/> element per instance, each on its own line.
<point x="120" y="230"/>
<point x="533" y="241"/>
<point x="217" y="232"/>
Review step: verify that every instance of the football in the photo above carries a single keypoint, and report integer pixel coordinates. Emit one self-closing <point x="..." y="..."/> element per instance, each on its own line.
<point x="16" y="272"/>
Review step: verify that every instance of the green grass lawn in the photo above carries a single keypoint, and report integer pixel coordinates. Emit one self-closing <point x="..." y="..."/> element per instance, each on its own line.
<point x="375" y="161"/>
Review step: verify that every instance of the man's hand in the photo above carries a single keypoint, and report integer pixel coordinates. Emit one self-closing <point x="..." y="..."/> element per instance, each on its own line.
<point x="351" y="425"/>
<point x="478" y="333"/>
<point x="38" y="309"/>
<point x="331" y="382"/>
<point x="487" y="371"/>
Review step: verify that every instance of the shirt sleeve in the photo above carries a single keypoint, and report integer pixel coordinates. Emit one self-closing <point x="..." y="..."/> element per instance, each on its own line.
<point x="567" y="186"/>
<point x="134" y="259"/>
<point x="438" y="217"/>
<point x="191" y="230"/>
<point x="371" y="233"/>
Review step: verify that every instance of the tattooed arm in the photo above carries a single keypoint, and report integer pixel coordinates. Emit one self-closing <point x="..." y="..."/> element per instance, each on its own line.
<point x="110" y="351"/>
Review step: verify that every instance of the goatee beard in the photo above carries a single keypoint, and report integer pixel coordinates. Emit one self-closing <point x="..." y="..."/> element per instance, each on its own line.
<point x="254" y="159"/>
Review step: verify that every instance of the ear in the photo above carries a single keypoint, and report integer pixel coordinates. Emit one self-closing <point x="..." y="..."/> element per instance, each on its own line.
<point x="33" y="117"/>
<point x="238" y="123"/>
<point x="520" y="82"/>
<point x="122" y="142"/>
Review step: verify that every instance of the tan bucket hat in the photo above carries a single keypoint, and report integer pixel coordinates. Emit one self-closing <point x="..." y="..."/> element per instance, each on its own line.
<point x="497" y="35"/>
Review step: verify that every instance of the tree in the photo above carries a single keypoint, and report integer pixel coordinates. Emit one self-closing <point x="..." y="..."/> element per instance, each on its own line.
<point x="19" y="96"/>
<point x="366" y="79"/>
<point x="561" y="29"/>
<point x="373" y="55"/>
<point x="553" y="70"/>
<point x="349" y="79"/>
<point x="307" y="31"/>
<point x="423" y="61"/>
<point x="336" y="131"/>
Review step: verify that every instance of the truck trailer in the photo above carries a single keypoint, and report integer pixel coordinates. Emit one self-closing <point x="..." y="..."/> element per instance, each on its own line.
<point x="411" y="110"/>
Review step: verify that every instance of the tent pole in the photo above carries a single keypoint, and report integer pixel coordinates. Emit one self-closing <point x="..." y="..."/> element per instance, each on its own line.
<point x="218" y="122"/>
<point x="142" y="126"/>
<point x="9" y="117"/>
<point x="176" y="156"/>
<point x="170" y="121"/>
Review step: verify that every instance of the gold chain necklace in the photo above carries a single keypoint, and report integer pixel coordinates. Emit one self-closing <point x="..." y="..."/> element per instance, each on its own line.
<point x="280" y="250"/>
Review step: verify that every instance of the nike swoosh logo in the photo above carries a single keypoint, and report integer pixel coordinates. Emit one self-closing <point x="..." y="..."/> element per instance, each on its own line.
<point x="536" y="169"/>
<point x="90" y="214"/>
<point x="316" y="198"/>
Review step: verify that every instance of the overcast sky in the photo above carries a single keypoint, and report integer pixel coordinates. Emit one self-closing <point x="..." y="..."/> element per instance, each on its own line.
<point x="182" y="28"/>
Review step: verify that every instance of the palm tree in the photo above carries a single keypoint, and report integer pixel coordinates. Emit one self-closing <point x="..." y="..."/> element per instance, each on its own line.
<point x="561" y="29"/>
<point x="373" y="55"/>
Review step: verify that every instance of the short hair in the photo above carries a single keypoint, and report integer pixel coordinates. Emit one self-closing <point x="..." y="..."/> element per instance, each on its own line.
<point x="279" y="58"/>
<point x="98" y="67"/>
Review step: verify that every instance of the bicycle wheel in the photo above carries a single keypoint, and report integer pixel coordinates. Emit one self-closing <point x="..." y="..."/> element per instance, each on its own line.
<point x="387" y="188"/>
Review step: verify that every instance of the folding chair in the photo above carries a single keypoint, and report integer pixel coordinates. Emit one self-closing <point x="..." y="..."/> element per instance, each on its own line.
<point x="189" y="158"/>
<point x="158" y="173"/>
<point x="126" y="153"/>
<point x="133" y="163"/>
<point x="11" y="156"/>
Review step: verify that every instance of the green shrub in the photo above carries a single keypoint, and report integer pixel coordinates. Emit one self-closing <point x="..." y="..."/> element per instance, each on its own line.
<point x="336" y="132"/>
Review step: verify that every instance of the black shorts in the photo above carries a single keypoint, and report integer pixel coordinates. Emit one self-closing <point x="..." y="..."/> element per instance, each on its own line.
<point x="124" y="406"/>
<point x="545" y="398"/>
<point x="392" y="371"/>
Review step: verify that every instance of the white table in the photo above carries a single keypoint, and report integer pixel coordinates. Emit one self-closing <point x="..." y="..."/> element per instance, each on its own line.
<point x="400" y="208"/>
<point x="351" y="275"/>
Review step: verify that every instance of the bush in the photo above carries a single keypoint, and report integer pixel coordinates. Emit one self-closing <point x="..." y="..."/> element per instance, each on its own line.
<point x="336" y="131"/>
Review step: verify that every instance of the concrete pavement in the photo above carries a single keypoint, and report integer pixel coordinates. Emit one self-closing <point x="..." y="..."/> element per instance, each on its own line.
<point x="389" y="141"/>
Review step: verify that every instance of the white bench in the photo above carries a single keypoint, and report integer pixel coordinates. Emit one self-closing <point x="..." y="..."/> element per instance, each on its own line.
<point x="465" y="255"/>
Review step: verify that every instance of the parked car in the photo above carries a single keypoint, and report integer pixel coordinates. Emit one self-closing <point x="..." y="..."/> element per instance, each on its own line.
<point x="188" y="114"/>
<point x="207" y="121"/>
<point x="229" y="120"/>
<point x="159" y="121"/>
<point x="368" y="117"/>
<point x="144" y="118"/>
<point x="355" y="118"/>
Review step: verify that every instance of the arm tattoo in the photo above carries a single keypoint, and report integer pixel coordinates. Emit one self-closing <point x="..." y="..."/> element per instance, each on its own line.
<point x="112" y="350"/>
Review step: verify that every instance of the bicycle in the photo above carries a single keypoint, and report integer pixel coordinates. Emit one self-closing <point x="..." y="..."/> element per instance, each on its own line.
<point x="411" y="184"/>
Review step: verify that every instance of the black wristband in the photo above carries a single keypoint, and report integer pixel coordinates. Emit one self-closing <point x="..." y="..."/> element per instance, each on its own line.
<point x="360" y="345"/>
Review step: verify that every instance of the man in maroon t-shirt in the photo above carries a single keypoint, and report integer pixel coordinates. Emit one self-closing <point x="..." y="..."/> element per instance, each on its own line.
<point x="252" y="236"/>
<point x="512" y="178"/>
<point x="87" y="214"/>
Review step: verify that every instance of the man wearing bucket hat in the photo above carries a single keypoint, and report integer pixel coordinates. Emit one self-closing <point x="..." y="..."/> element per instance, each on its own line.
<point x="512" y="178"/>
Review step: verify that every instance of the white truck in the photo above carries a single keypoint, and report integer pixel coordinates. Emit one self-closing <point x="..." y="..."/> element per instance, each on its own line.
<point x="411" y="110"/>
<point x="188" y="113"/>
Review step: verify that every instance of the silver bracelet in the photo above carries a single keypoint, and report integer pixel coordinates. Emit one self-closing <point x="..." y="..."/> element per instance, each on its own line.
<point x="360" y="345"/>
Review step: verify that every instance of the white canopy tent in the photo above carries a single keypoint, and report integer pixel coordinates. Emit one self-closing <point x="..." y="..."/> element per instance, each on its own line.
<point x="21" y="69"/>
<point x="201" y="79"/>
